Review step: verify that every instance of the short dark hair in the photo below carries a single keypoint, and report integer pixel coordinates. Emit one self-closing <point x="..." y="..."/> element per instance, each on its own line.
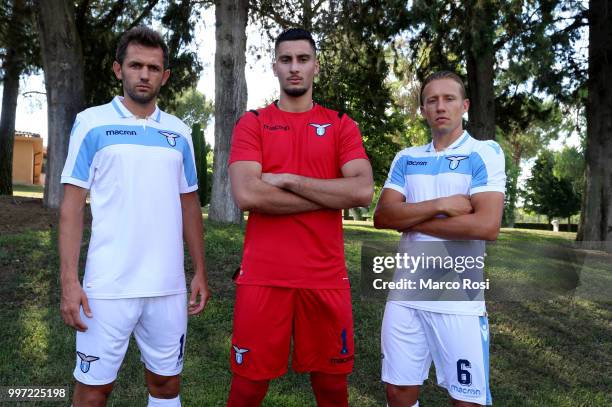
<point x="144" y="36"/>
<point x="442" y="75"/>
<point x="295" y="34"/>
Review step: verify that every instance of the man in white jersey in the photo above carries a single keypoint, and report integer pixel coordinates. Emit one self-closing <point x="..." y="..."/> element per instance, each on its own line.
<point x="137" y="163"/>
<point x="450" y="189"/>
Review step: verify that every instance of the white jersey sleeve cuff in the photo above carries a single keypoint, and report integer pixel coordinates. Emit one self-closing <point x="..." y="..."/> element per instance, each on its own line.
<point x="395" y="188"/>
<point x="189" y="189"/>
<point x="488" y="188"/>
<point x="75" y="181"/>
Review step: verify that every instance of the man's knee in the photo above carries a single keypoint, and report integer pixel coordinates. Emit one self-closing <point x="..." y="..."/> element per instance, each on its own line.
<point x="461" y="403"/>
<point x="163" y="387"/>
<point x="329" y="389"/>
<point x="246" y="392"/>
<point x="86" y="395"/>
<point x="401" y="395"/>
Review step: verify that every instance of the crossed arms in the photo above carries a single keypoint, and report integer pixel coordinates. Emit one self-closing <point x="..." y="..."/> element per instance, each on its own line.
<point x="466" y="218"/>
<point x="285" y="194"/>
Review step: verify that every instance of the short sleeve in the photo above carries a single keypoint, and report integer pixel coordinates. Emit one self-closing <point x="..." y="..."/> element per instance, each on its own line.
<point x="82" y="148"/>
<point x="351" y="145"/>
<point x="396" y="179"/>
<point x="189" y="180"/>
<point x="246" y="140"/>
<point x="488" y="169"/>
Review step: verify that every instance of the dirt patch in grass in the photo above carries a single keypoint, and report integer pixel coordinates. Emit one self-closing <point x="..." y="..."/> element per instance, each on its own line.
<point x="19" y="214"/>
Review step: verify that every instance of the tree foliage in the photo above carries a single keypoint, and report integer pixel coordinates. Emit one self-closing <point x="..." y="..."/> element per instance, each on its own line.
<point x="86" y="33"/>
<point x="405" y="87"/>
<point x="548" y="194"/>
<point x="193" y="107"/>
<point x="570" y="164"/>
<point x="21" y="38"/>
<point x="526" y="125"/>
<point x="100" y="25"/>
<point x="513" y="172"/>
<point x="530" y="40"/>
<point x="354" y="81"/>
<point x="352" y="38"/>
<point x="203" y="167"/>
<point x="19" y="54"/>
<point x="195" y="110"/>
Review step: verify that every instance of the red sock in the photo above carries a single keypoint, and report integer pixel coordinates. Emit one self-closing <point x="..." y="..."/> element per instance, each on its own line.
<point x="330" y="390"/>
<point x="247" y="393"/>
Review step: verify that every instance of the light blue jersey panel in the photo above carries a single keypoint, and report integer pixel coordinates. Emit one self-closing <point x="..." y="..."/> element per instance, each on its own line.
<point x="101" y="137"/>
<point x="480" y="163"/>
<point x="468" y="166"/>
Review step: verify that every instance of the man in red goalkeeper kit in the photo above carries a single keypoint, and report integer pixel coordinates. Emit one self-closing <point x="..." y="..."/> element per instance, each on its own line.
<point x="294" y="165"/>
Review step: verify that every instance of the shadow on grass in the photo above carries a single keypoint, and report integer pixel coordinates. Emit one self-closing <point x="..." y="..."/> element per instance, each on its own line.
<point x="555" y="352"/>
<point x="36" y="348"/>
<point x="551" y="342"/>
<point x="543" y="353"/>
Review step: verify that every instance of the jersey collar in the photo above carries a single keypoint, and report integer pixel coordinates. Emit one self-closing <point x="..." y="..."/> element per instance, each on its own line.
<point x="124" y="113"/>
<point x="455" y="145"/>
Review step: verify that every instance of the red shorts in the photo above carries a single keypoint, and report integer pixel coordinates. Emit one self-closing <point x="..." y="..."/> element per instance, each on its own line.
<point x="321" y="321"/>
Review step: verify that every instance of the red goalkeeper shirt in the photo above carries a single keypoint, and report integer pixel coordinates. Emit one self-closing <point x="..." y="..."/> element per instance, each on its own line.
<point x="303" y="250"/>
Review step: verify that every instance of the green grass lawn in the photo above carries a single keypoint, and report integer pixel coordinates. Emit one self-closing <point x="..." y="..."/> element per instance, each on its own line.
<point x="545" y="352"/>
<point x="31" y="191"/>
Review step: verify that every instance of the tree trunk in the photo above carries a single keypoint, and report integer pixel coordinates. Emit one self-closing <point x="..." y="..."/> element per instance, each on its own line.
<point x="307" y="15"/>
<point x="230" y="100"/>
<point x="596" y="216"/>
<point x="62" y="58"/>
<point x="13" y="67"/>
<point x="480" y="57"/>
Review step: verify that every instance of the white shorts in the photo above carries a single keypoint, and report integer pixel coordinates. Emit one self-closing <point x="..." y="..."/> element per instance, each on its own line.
<point x="159" y="325"/>
<point x="458" y="345"/>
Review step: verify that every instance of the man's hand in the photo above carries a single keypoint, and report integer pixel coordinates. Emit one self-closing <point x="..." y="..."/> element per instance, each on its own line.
<point x="193" y="233"/>
<point x="69" y="241"/>
<point x="199" y="288"/>
<point x="455" y="205"/>
<point x="72" y="298"/>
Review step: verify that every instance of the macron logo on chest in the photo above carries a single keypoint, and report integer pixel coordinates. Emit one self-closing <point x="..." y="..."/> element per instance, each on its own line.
<point x="276" y="127"/>
<point x="413" y="162"/>
<point x="115" y="132"/>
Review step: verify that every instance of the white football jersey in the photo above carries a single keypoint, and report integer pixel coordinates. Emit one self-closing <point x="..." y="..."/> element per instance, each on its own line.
<point x="135" y="170"/>
<point x="468" y="166"/>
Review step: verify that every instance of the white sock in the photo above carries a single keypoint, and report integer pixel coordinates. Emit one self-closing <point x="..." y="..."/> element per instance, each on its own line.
<point x="154" y="402"/>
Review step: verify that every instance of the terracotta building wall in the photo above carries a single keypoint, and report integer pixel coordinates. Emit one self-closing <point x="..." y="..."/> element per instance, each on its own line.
<point x="23" y="161"/>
